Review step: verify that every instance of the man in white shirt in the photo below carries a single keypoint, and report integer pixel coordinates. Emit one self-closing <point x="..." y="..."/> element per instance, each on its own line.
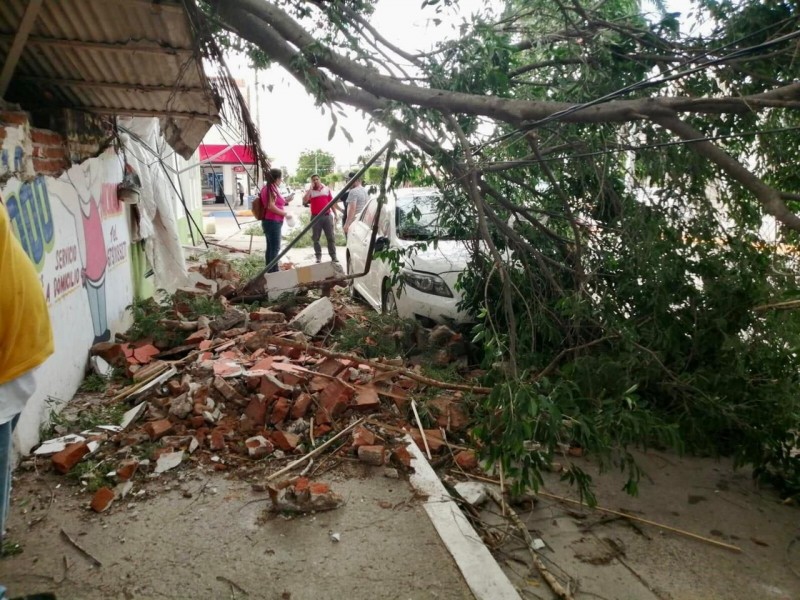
<point x="356" y="201"/>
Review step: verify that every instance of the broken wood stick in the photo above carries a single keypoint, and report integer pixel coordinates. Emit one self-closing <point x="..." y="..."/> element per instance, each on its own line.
<point x="179" y="325"/>
<point x="555" y="585"/>
<point x="314" y="452"/>
<point x="131" y="389"/>
<point x="641" y="520"/>
<point x="308" y="348"/>
<point x="81" y="549"/>
<point x="421" y="429"/>
<point x="609" y="511"/>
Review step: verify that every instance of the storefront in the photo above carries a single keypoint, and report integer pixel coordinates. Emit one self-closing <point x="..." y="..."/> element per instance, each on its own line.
<point x="226" y="169"/>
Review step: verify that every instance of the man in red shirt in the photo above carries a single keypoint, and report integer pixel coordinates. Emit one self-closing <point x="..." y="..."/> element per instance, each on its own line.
<point x="318" y="196"/>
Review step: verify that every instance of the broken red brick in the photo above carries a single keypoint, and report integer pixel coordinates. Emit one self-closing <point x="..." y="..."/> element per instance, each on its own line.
<point x="319" y="488"/>
<point x="198" y="336"/>
<point x="336" y="390"/>
<point x="217" y="439"/>
<point x="205" y="345"/>
<point x="401" y="457"/>
<point x="110" y="352"/>
<point x="285" y="441"/>
<point x="363" y="437"/>
<point x="175" y="388"/>
<point x="322" y="429"/>
<point x="270" y="316"/>
<point x="280" y="410"/>
<point x="366" y="399"/>
<point x="467" y="460"/>
<point x="223" y="387"/>
<point x="127" y="469"/>
<point x="372" y="455"/>
<point x="301" y="485"/>
<point x="144" y="354"/>
<point x="197" y="421"/>
<point x="158" y="429"/>
<point x="257" y="411"/>
<point x="102" y="499"/>
<point x="258" y="446"/>
<point x="69" y="457"/>
<point x="433" y="436"/>
<point x="301" y="406"/>
<point x="226" y="367"/>
<point x="289" y="378"/>
<point x="331" y="366"/>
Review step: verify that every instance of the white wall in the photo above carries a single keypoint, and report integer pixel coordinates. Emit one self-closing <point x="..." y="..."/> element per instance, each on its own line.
<point x="76" y="233"/>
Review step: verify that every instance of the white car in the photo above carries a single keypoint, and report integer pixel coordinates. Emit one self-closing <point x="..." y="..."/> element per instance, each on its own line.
<point x="426" y="289"/>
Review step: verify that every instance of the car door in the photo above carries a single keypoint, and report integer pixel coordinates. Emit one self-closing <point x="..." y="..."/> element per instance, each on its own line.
<point x="379" y="270"/>
<point x="358" y="245"/>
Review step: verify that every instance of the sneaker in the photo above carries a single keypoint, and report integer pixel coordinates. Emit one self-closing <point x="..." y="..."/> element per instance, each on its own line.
<point x="318" y="260"/>
<point x="335" y="260"/>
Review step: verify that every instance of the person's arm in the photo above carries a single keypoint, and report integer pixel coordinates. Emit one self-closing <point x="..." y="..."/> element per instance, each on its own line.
<point x="351" y="215"/>
<point x="307" y="197"/>
<point x="271" y="206"/>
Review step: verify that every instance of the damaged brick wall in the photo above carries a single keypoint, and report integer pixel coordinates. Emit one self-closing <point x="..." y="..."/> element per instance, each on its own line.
<point x="47" y="153"/>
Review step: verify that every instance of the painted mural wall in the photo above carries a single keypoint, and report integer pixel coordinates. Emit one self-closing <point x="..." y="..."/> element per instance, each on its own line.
<point x="76" y="233"/>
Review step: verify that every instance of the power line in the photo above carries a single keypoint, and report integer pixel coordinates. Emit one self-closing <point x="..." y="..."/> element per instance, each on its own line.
<point x="649" y="82"/>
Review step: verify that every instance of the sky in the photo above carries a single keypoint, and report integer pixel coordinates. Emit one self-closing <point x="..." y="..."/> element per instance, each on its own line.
<point x="289" y="121"/>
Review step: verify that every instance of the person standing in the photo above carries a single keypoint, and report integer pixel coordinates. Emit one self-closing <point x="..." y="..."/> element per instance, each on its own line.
<point x="274" y="207"/>
<point x="26" y="340"/>
<point x="356" y="201"/>
<point x="240" y="189"/>
<point x="318" y="196"/>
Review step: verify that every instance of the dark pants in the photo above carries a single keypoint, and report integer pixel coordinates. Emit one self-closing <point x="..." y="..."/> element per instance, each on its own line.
<point x="325" y="224"/>
<point x="241" y="198"/>
<point x="272" y="231"/>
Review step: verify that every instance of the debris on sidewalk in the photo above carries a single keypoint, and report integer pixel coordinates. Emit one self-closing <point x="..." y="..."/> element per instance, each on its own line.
<point x="229" y="387"/>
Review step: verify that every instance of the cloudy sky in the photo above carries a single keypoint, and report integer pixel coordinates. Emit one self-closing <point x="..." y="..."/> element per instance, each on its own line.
<point x="289" y="121"/>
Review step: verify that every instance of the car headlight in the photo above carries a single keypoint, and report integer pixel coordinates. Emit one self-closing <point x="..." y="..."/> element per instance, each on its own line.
<point x="427" y="283"/>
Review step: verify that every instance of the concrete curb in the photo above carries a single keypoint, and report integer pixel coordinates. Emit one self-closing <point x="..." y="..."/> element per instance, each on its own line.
<point x="483" y="575"/>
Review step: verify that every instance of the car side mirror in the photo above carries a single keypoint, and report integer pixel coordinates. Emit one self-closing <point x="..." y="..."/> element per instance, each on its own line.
<point x="381" y="244"/>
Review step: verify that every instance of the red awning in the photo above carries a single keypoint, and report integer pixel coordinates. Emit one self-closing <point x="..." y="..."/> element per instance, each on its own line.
<point x="226" y="155"/>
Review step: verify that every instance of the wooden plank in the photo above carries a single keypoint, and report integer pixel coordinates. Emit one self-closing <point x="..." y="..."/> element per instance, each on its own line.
<point x="18" y="44"/>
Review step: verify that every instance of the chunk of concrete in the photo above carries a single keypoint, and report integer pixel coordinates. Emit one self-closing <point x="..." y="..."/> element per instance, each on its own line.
<point x="473" y="492"/>
<point x="314" y="317"/>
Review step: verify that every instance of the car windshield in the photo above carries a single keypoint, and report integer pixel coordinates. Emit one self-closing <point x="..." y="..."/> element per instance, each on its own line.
<point x="417" y="218"/>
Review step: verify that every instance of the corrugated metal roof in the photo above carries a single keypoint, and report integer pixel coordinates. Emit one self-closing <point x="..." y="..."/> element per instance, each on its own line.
<point x="126" y="57"/>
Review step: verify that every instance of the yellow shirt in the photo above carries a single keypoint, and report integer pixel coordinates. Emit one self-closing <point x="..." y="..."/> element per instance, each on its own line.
<point x="26" y="338"/>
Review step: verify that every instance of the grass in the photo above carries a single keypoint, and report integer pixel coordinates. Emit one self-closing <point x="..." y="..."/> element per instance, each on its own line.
<point x="88" y="418"/>
<point x="374" y="337"/>
<point x="147" y="315"/>
<point x="249" y="267"/>
<point x="254" y="230"/>
<point x="9" y="548"/>
<point x="93" y="383"/>
<point x="89" y="471"/>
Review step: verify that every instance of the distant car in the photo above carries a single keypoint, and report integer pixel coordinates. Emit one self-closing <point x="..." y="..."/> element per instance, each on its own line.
<point x="427" y="286"/>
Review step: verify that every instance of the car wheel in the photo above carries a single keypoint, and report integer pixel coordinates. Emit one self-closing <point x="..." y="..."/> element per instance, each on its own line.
<point x="389" y="303"/>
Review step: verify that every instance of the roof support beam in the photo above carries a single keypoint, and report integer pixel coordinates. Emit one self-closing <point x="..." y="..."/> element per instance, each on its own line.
<point x="25" y="26"/>
<point x="138" y="112"/>
<point x="130" y="87"/>
<point x="128" y="47"/>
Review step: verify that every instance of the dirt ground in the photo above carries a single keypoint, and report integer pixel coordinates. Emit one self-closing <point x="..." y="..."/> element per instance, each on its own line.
<point x="197" y="534"/>
<point x="611" y="558"/>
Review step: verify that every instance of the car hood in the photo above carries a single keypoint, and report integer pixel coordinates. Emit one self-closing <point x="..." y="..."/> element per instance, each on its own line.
<point x="447" y="259"/>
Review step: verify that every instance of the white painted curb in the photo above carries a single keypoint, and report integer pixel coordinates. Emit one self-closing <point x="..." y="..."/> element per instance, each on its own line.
<point x="480" y="570"/>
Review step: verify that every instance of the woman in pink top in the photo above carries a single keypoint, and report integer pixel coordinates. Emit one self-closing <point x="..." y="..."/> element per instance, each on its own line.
<point x="274" y="214"/>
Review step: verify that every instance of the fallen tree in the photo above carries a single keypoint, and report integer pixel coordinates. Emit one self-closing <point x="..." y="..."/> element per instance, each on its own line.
<point x="628" y="169"/>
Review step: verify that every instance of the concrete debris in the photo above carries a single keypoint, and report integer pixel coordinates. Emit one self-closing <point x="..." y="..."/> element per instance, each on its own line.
<point x="100" y="366"/>
<point x="57" y="444"/>
<point x="314" y="317"/>
<point x="168" y="461"/>
<point x="304" y="496"/>
<point x="473" y="492"/>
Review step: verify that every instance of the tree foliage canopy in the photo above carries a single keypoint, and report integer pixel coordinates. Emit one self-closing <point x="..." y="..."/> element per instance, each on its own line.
<point x="650" y="174"/>
<point x="314" y="161"/>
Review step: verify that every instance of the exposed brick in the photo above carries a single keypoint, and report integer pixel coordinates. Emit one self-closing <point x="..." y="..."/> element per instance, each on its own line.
<point x="271" y="387"/>
<point x="158" y="429"/>
<point x="334" y="393"/>
<point x="290" y="378"/>
<point x="467" y="460"/>
<point x="49" y="166"/>
<point x="13" y="117"/>
<point x="256" y="411"/>
<point x="102" y="499"/>
<point x="270" y="316"/>
<point x="44" y="151"/>
<point x="321" y="429"/>
<point x="197" y="421"/>
<point x="372" y="455"/>
<point x="363" y="437"/>
<point x="69" y="457"/>
<point x="301" y="405"/>
<point x="45" y="136"/>
<point x="285" y="441"/>
<point x="110" y="352"/>
<point x="280" y="410"/>
<point x="198" y="336"/>
<point x="301" y="485"/>
<point x="331" y="366"/>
